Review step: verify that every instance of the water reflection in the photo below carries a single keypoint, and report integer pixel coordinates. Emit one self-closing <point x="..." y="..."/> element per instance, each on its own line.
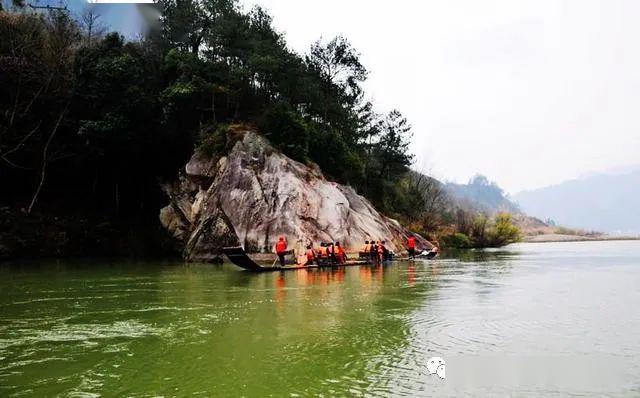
<point x="135" y="328"/>
<point x="482" y="255"/>
<point x="138" y="329"/>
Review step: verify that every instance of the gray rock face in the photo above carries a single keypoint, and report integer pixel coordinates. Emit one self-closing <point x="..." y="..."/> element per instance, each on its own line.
<point x="256" y="194"/>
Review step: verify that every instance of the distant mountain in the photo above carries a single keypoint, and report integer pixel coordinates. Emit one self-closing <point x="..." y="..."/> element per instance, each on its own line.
<point x="483" y="195"/>
<point x="604" y="202"/>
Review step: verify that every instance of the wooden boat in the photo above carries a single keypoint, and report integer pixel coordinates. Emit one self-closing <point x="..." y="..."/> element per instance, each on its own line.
<point x="239" y="257"/>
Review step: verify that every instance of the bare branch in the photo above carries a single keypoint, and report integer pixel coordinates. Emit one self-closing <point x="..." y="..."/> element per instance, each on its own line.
<point x="24" y="139"/>
<point x="45" y="150"/>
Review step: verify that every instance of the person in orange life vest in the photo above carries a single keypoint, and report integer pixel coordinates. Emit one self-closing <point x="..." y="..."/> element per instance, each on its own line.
<point x="311" y="255"/>
<point x="380" y="251"/>
<point x="341" y="256"/>
<point x="321" y="251"/>
<point x="281" y="249"/>
<point x="364" y="251"/>
<point x="411" y="246"/>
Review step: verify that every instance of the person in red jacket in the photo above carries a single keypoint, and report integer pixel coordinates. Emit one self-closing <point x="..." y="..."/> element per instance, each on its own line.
<point x="281" y="249"/>
<point x="411" y="246"/>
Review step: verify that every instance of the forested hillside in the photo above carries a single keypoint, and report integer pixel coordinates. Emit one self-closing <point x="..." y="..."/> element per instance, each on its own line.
<point x="91" y="123"/>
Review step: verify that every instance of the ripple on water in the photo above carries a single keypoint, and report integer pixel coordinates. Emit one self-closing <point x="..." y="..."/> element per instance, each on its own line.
<point x="84" y="333"/>
<point x="228" y="333"/>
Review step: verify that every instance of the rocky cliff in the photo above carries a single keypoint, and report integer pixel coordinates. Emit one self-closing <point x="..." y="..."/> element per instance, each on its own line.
<point x="255" y="193"/>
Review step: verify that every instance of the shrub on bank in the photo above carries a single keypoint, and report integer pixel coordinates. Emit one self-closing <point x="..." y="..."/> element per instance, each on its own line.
<point x="457" y="240"/>
<point x="484" y="232"/>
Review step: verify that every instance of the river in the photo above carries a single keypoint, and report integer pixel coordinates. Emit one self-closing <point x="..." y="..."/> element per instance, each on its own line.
<point x="548" y="319"/>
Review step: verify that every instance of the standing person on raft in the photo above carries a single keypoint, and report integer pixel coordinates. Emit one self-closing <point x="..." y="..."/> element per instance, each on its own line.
<point x="411" y="246"/>
<point x="281" y="249"/>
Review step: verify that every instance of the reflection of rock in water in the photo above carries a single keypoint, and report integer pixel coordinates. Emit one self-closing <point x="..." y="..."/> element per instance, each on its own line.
<point x="256" y="193"/>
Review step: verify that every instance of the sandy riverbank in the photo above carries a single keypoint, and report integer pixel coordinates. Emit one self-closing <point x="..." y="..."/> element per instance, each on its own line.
<point x="574" y="238"/>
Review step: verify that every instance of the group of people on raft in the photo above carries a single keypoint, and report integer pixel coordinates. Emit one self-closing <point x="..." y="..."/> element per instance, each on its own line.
<point x="376" y="251"/>
<point x="334" y="253"/>
<point x="328" y="252"/>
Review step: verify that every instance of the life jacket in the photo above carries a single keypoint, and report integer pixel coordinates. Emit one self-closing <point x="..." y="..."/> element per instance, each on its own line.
<point x="367" y="247"/>
<point x="322" y="251"/>
<point x="281" y="246"/>
<point x="412" y="242"/>
<point x="310" y="255"/>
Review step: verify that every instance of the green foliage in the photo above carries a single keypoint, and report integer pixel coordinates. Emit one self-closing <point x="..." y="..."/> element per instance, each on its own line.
<point x="479" y="229"/>
<point x="457" y="240"/>
<point x="215" y="144"/>
<point x="503" y="231"/>
<point x="286" y="130"/>
<point x="482" y="231"/>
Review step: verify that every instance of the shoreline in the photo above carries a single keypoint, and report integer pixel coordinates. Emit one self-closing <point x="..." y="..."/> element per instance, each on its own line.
<point x="554" y="238"/>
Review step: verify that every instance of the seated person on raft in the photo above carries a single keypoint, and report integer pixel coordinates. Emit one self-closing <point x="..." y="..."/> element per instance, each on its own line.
<point x="340" y="254"/>
<point x="331" y="253"/>
<point x="382" y="251"/>
<point x="311" y="255"/>
<point x="364" y="250"/>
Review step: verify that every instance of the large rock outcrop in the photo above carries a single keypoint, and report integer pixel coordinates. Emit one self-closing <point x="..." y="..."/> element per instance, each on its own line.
<point x="256" y="193"/>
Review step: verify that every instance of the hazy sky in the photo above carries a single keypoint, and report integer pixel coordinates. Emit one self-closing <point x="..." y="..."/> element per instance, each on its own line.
<point x="529" y="93"/>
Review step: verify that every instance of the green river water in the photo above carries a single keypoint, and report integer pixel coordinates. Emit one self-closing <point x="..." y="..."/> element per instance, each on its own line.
<point x="527" y="320"/>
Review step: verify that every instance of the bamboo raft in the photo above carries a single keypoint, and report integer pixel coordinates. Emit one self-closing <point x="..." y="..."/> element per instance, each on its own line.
<point x="239" y="257"/>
